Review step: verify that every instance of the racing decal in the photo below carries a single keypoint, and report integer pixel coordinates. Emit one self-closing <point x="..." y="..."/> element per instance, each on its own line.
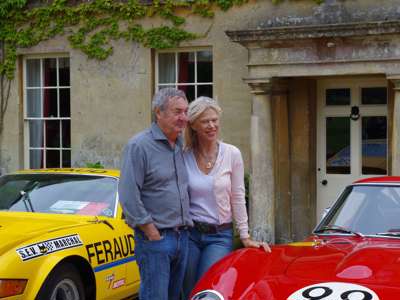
<point x="334" y="291"/>
<point x="114" y="284"/>
<point x="118" y="283"/>
<point x="110" y="278"/>
<point x="110" y="250"/>
<point x="49" y="246"/>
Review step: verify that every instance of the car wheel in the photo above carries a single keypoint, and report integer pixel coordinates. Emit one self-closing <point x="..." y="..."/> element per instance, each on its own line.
<point x="63" y="283"/>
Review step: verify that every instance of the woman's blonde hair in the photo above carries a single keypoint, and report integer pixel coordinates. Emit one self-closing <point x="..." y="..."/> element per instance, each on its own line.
<point x="196" y="108"/>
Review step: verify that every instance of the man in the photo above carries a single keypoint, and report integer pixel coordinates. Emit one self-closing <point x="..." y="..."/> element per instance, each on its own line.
<point x="153" y="190"/>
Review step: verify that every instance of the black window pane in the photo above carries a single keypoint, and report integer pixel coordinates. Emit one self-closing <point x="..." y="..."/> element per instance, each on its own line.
<point x="374" y="145"/>
<point x="204" y="90"/>
<point x="65" y="103"/>
<point x="66" y="133"/>
<point x="50" y="103"/>
<point x="63" y="71"/>
<point x="53" y="159"/>
<point x="186" y="67"/>
<point x="204" y="66"/>
<point x="338" y="145"/>
<point x="36" y="159"/>
<point x="338" y="97"/>
<point x="374" y="95"/>
<point x="189" y="91"/>
<point x="53" y="134"/>
<point x="66" y="158"/>
<point x="36" y="133"/>
<point x="50" y="72"/>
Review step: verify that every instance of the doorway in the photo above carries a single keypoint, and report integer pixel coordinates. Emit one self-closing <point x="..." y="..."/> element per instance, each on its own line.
<point x="351" y="134"/>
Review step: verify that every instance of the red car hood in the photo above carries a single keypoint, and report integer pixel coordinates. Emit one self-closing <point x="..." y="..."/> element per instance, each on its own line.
<point x="251" y="274"/>
<point x="374" y="261"/>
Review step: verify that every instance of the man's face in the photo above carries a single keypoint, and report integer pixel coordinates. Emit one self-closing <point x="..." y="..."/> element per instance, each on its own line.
<point x="173" y="119"/>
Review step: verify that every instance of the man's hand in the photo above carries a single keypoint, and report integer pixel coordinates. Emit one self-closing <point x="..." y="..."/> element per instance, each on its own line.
<point x="151" y="231"/>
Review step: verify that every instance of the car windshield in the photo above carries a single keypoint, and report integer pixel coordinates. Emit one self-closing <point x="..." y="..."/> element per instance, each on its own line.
<point x="59" y="194"/>
<point x="364" y="210"/>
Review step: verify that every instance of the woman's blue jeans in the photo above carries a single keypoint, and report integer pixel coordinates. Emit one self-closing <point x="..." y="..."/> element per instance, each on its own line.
<point x="204" y="251"/>
<point x="161" y="264"/>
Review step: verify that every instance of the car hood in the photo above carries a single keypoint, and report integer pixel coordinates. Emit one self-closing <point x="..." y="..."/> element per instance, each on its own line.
<point x="18" y="227"/>
<point x="369" y="260"/>
<point x="370" y="263"/>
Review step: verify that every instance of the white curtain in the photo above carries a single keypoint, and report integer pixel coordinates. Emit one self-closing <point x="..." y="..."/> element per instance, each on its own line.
<point x="33" y="110"/>
<point x="166" y="68"/>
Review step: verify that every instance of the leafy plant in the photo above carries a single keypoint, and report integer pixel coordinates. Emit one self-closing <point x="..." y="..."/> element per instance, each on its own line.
<point x="96" y="165"/>
<point x="90" y="26"/>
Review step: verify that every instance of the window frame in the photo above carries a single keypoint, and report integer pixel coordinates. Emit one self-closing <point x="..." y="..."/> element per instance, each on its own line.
<point x="26" y="119"/>
<point x="158" y="85"/>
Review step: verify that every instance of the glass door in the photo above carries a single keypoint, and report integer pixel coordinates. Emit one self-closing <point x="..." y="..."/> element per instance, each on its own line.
<point x="352" y="134"/>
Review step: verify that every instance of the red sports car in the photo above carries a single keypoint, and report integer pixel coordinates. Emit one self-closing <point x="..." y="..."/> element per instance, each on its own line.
<point x="353" y="254"/>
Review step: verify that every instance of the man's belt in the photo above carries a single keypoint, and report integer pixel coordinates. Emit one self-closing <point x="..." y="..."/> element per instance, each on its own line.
<point x="176" y="228"/>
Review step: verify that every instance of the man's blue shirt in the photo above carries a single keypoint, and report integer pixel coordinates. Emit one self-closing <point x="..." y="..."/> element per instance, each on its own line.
<point x="153" y="186"/>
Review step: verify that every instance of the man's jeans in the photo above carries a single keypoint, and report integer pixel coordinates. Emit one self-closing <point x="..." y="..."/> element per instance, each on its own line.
<point x="161" y="264"/>
<point x="204" y="251"/>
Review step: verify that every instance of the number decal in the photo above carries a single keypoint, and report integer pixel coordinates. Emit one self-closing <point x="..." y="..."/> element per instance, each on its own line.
<point x="334" y="291"/>
<point x="313" y="293"/>
<point x="345" y="295"/>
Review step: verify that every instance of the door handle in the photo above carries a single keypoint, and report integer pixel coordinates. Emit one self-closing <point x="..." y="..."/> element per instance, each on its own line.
<point x="324" y="182"/>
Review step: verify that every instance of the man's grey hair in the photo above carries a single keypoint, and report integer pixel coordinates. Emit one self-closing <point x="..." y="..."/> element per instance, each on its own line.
<point x="160" y="99"/>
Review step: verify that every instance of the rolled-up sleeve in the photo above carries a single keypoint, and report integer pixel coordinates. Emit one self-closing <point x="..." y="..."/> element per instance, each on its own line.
<point x="130" y="183"/>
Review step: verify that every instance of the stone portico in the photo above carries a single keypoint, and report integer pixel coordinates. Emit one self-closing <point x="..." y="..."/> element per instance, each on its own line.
<point x="284" y="64"/>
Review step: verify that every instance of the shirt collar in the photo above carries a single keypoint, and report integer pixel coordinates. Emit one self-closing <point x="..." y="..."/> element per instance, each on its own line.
<point x="158" y="134"/>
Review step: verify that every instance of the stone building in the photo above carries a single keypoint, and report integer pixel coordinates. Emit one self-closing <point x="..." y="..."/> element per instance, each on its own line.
<point x="310" y="94"/>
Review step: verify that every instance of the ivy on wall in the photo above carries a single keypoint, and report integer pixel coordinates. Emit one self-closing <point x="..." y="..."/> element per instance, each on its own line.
<point x="91" y="25"/>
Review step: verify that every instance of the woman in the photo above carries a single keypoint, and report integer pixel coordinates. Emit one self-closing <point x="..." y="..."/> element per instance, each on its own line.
<point x="217" y="193"/>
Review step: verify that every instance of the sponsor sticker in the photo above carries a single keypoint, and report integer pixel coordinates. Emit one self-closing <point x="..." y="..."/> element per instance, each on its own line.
<point x="118" y="283"/>
<point x="49" y="246"/>
<point x="334" y="291"/>
<point x="106" y="251"/>
<point x="109" y="279"/>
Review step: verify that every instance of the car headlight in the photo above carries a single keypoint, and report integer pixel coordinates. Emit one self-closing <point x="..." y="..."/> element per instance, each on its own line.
<point x="208" y="295"/>
<point x="12" y="287"/>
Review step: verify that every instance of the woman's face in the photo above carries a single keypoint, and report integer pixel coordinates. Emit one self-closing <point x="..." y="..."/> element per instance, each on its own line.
<point x="207" y="125"/>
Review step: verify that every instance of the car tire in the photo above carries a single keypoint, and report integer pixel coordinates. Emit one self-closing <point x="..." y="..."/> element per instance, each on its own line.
<point x="63" y="283"/>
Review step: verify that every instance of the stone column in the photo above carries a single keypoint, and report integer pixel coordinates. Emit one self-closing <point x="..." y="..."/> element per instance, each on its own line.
<point x="283" y="202"/>
<point x="395" y="147"/>
<point x="262" y="175"/>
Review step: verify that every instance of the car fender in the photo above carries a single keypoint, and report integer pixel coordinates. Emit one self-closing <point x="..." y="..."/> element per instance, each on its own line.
<point x="46" y="266"/>
<point x="251" y="263"/>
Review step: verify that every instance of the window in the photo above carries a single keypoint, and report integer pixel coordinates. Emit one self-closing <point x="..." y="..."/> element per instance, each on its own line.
<point x="189" y="71"/>
<point x="47" y="112"/>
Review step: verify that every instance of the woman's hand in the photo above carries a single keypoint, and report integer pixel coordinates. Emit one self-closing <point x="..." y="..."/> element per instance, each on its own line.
<point x="249" y="243"/>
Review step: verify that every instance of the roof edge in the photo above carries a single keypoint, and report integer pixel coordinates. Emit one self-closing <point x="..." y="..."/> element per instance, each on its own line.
<point x="285" y="33"/>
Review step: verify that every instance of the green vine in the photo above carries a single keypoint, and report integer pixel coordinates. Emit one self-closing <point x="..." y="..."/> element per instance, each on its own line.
<point x="91" y="25"/>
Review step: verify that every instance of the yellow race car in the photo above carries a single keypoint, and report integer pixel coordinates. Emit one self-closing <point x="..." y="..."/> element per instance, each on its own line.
<point x="63" y="237"/>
